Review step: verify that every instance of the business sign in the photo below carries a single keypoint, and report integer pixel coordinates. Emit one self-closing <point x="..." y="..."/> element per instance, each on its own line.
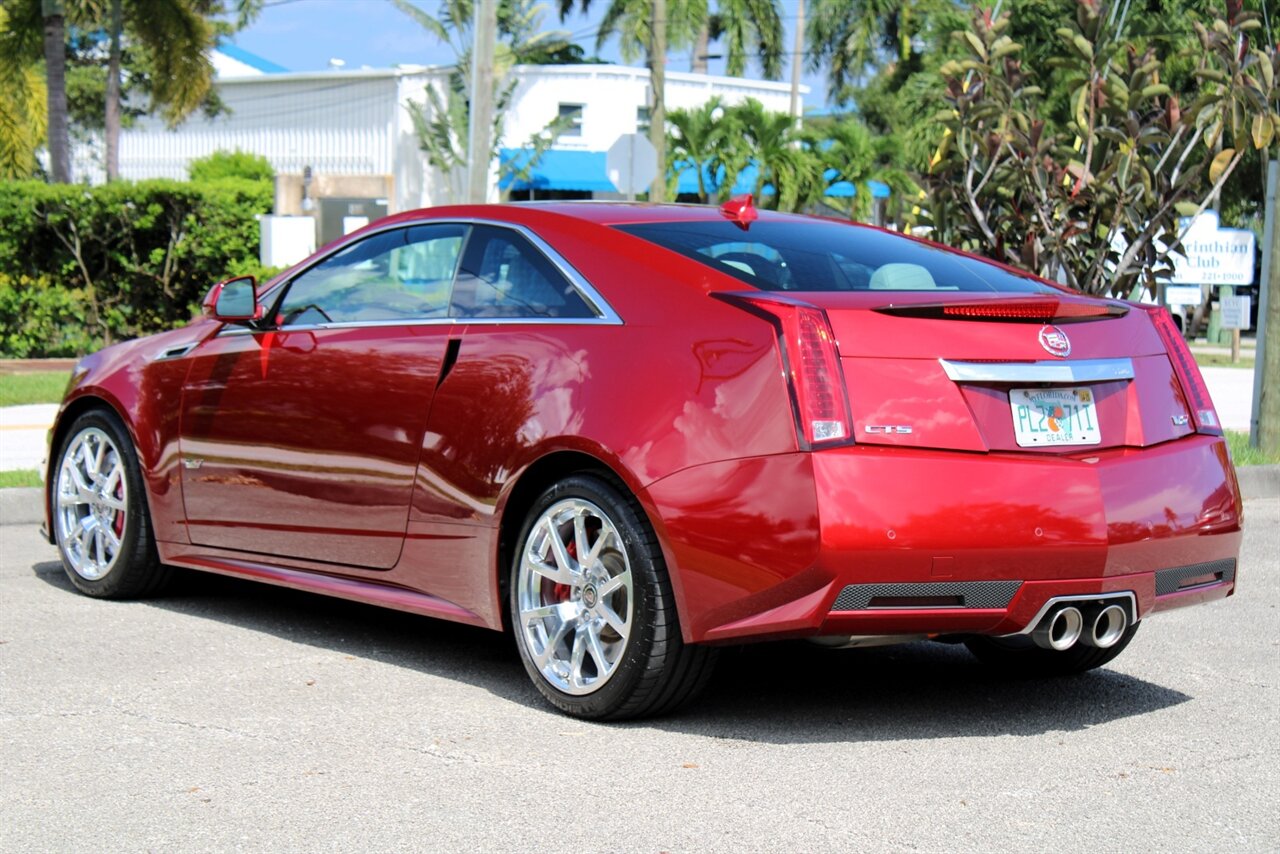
<point x="1183" y="295"/>
<point x="1214" y="256"/>
<point x="1235" y="312"/>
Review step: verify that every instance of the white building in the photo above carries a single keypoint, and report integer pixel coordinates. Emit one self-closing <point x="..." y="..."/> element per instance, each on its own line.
<point x="343" y="144"/>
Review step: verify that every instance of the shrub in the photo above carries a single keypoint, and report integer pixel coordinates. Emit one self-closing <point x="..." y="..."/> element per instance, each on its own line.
<point x="231" y="164"/>
<point x="39" y="318"/>
<point x="136" y="257"/>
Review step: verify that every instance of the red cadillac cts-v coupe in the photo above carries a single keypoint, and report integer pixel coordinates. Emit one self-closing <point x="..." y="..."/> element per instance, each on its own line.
<point x="631" y="434"/>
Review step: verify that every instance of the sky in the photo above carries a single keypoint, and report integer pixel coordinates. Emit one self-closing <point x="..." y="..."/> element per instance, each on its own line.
<point x="303" y="35"/>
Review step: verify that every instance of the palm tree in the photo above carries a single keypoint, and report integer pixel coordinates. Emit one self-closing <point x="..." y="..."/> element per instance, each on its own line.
<point x="750" y="29"/>
<point x="854" y="35"/>
<point x="23" y="105"/>
<point x="177" y="35"/>
<point x="632" y="21"/>
<point x="442" y="122"/>
<point x="768" y="140"/>
<point x="849" y="152"/>
<point x="696" y="140"/>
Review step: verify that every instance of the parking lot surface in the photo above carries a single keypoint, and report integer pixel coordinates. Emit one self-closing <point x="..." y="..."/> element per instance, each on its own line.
<point x="229" y="715"/>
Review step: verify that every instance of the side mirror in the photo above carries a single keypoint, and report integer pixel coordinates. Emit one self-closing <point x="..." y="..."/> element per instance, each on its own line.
<point x="234" y="301"/>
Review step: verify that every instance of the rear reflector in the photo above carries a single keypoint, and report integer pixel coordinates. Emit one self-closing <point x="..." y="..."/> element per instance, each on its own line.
<point x="1044" y="310"/>
<point x="1188" y="373"/>
<point x="811" y="359"/>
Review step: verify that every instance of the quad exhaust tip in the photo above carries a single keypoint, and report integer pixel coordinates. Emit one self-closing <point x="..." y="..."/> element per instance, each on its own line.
<point x="1101" y="626"/>
<point x="1108" y="626"/>
<point x="1059" y="630"/>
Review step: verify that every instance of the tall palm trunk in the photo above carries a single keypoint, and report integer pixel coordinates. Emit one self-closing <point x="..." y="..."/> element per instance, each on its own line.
<point x="658" y="112"/>
<point x="112" y="131"/>
<point x="55" y="57"/>
<point x="701" y="48"/>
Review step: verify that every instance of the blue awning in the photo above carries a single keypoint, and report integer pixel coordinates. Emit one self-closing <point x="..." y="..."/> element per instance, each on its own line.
<point x="846" y="189"/>
<point x="558" y="169"/>
<point x="561" y="169"/>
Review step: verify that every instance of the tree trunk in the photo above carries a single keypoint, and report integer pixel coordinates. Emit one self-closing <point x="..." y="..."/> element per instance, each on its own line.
<point x="55" y="58"/>
<point x="701" y="47"/>
<point x="112" y="131"/>
<point x="658" y="111"/>
<point x="797" y="60"/>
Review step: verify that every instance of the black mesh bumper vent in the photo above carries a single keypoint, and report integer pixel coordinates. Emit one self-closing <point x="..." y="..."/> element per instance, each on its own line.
<point x="1195" y="575"/>
<point x="928" y="594"/>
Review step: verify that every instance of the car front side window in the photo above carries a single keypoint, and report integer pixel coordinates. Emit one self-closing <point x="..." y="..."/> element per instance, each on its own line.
<point x="405" y="274"/>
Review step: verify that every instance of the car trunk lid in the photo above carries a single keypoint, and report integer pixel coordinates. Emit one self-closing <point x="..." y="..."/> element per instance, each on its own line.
<point x="998" y="372"/>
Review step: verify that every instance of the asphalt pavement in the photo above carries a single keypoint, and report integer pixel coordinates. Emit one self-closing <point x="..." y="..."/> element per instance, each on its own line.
<point x="228" y="715"/>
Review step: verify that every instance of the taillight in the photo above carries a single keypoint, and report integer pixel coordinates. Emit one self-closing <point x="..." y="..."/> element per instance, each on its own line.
<point x="811" y="360"/>
<point x="1188" y="373"/>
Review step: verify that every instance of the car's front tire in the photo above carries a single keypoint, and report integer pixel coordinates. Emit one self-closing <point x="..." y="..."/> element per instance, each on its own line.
<point x="1019" y="656"/>
<point x="99" y="510"/>
<point x="592" y="608"/>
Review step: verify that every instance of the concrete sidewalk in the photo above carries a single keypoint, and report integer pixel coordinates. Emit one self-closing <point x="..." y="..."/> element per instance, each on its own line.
<point x="22" y="435"/>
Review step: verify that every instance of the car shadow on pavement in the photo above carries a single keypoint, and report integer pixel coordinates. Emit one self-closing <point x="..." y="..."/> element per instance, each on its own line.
<point x="797" y="692"/>
<point x="780" y="693"/>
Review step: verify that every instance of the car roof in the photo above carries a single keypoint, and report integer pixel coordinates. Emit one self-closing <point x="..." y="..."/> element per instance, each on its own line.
<point x="601" y="212"/>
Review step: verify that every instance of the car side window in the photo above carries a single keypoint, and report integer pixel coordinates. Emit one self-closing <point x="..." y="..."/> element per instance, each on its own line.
<point x="404" y="274"/>
<point x="503" y="275"/>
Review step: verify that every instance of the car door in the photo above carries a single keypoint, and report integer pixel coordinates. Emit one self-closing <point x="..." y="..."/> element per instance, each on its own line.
<point x="300" y="439"/>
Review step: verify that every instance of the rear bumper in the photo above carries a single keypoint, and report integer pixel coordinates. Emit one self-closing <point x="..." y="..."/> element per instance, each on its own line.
<point x="872" y="541"/>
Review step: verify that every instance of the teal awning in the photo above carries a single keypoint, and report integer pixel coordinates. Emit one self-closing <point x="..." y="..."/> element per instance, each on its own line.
<point x="558" y="169"/>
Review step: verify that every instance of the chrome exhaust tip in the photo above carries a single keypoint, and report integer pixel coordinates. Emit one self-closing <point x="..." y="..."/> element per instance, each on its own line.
<point x="1108" y="626"/>
<point x="1060" y="630"/>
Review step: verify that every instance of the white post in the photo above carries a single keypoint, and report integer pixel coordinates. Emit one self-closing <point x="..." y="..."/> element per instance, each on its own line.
<point x="479" y="140"/>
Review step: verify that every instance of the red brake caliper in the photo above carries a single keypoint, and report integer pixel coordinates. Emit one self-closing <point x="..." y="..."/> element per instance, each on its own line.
<point x="561" y="591"/>
<point x="117" y="524"/>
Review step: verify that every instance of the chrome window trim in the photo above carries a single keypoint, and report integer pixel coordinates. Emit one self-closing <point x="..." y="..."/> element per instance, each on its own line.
<point x="1079" y="371"/>
<point x="606" y="316"/>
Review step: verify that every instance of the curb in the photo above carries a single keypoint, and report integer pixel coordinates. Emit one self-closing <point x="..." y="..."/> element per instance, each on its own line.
<point x="21" y="505"/>
<point x="1259" y="481"/>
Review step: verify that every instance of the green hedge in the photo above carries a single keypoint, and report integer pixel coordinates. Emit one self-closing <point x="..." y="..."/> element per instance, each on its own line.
<point x="81" y="267"/>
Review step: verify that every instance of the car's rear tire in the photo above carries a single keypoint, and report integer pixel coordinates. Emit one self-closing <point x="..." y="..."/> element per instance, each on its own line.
<point x="1019" y="656"/>
<point x="599" y="636"/>
<point x="99" y="509"/>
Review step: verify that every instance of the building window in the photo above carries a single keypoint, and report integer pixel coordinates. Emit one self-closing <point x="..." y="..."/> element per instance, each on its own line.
<point x="571" y="117"/>
<point x="642" y="119"/>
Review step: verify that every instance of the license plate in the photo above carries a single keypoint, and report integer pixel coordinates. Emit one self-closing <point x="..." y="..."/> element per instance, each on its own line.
<point x="1054" y="416"/>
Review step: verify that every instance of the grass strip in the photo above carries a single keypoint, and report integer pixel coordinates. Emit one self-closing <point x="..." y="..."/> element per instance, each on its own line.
<point x="36" y="387"/>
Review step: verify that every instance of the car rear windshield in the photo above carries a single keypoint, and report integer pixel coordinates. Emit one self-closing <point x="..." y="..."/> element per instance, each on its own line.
<point x="826" y="256"/>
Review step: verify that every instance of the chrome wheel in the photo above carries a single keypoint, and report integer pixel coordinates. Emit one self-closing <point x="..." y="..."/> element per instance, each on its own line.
<point x="574" y="596"/>
<point x="92" y="502"/>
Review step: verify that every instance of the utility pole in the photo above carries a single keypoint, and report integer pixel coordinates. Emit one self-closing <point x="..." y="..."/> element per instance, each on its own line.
<point x="480" y="136"/>
<point x="797" y="60"/>
<point x="658" y="106"/>
<point x="1265" y="432"/>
